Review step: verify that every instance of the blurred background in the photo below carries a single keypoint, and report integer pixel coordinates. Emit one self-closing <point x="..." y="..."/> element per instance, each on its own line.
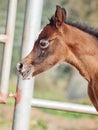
<point x="61" y="83"/>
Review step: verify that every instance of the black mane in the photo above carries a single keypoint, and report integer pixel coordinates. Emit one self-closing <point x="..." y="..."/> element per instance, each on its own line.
<point x="83" y="27"/>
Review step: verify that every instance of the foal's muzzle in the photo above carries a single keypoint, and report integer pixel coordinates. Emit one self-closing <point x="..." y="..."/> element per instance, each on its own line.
<point x="25" y="71"/>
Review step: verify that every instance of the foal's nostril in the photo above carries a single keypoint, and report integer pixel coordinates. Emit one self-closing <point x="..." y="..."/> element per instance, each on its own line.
<point x="19" y="66"/>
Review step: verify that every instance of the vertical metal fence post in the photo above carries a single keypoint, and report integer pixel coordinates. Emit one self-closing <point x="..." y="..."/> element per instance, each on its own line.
<point x="24" y="94"/>
<point x="8" y="46"/>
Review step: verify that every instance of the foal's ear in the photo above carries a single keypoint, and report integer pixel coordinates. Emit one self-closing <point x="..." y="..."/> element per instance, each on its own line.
<point x="60" y="16"/>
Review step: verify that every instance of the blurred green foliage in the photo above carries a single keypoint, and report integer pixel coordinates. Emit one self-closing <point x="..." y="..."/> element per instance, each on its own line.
<point x="68" y="115"/>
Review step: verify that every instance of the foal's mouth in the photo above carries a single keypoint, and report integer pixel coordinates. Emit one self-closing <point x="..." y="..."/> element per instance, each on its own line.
<point x="27" y="74"/>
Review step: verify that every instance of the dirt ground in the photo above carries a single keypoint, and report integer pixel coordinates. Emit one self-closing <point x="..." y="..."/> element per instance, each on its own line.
<point x="45" y="121"/>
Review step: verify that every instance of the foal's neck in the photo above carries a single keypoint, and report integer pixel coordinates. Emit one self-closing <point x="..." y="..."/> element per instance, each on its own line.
<point x="82" y="48"/>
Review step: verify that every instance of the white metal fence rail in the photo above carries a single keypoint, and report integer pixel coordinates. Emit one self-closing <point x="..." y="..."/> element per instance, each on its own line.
<point x="63" y="106"/>
<point x="7" y="39"/>
<point x="25" y="87"/>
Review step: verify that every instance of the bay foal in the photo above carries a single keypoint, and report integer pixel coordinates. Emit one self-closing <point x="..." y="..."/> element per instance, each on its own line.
<point x="63" y="41"/>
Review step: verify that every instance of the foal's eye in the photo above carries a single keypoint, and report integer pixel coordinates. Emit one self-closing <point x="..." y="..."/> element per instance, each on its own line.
<point x="44" y="44"/>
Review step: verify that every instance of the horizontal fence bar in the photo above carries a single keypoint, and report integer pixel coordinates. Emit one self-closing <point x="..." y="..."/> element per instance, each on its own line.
<point x="70" y="107"/>
<point x="3" y="38"/>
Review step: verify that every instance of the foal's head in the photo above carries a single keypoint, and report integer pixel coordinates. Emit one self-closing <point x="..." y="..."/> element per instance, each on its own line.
<point x="49" y="49"/>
